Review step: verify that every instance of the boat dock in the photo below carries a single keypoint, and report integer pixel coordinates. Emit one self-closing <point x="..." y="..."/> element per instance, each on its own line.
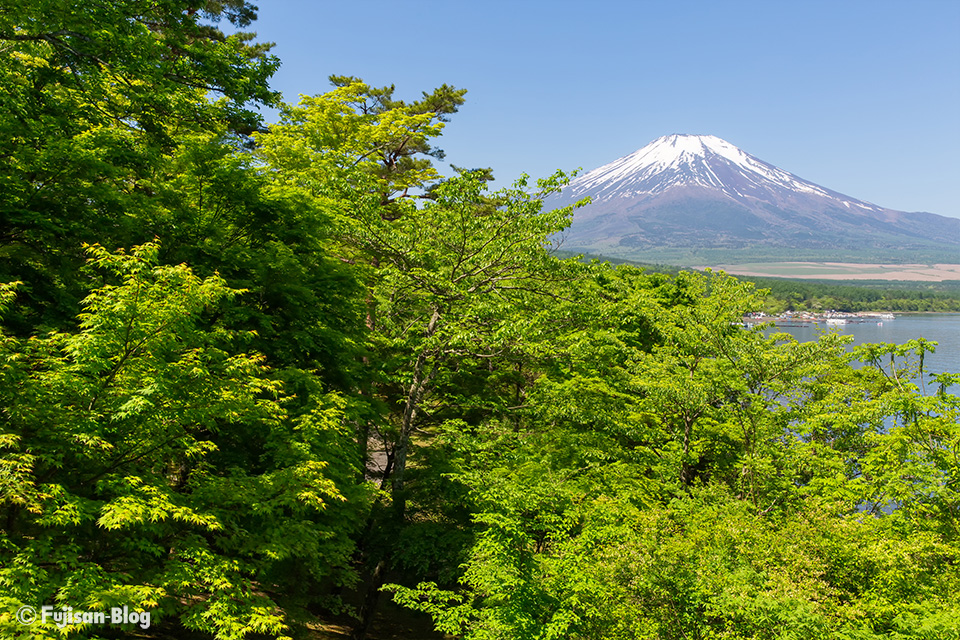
<point x="829" y="318"/>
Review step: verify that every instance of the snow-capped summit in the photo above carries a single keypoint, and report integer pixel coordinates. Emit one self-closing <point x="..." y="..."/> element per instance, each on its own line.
<point x="691" y="160"/>
<point x="702" y="192"/>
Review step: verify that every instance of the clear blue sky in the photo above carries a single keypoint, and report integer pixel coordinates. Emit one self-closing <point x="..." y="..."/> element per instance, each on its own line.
<point x="859" y="96"/>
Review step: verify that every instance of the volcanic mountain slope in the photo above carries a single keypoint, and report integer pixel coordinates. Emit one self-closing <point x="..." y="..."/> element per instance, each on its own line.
<point x="702" y="193"/>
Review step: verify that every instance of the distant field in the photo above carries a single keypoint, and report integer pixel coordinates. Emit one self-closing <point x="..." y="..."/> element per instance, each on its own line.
<point x="844" y="271"/>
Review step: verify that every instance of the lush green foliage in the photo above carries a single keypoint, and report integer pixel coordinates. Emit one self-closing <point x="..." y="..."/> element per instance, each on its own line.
<point x="786" y="294"/>
<point x="145" y="465"/>
<point x="709" y="483"/>
<point x="248" y="376"/>
<point x="96" y="94"/>
<point x="863" y="296"/>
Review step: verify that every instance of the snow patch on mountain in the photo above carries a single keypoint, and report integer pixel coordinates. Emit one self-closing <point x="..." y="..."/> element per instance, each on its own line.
<point x="694" y="160"/>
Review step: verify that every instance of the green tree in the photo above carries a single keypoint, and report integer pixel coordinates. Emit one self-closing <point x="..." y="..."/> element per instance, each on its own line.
<point x="675" y="476"/>
<point x="143" y="464"/>
<point x="402" y="161"/>
<point x="428" y="268"/>
<point x="94" y="94"/>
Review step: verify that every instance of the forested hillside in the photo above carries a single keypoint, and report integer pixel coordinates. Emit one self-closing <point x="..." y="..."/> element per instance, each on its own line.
<point x="861" y="296"/>
<point x="793" y="294"/>
<point x="257" y="375"/>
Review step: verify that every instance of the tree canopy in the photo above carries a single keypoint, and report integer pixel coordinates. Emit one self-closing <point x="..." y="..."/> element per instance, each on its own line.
<point x="253" y="377"/>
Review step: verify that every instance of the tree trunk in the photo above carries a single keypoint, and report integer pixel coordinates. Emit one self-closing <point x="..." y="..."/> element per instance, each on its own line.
<point x="686" y="471"/>
<point x="370" y="600"/>
<point x="418" y="387"/>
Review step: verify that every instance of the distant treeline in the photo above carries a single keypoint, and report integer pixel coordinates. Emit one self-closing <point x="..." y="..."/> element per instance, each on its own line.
<point x="786" y="294"/>
<point x="678" y="255"/>
<point x="873" y="295"/>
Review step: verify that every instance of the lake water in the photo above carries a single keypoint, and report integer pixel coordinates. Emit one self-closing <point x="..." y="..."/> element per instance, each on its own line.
<point x="943" y="328"/>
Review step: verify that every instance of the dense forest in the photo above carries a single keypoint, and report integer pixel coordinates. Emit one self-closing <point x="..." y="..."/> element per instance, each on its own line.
<point x="257" y="376"/>
<point x="794" y="294"/>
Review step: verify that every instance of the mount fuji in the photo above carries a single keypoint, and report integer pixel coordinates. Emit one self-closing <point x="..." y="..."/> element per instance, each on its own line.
<point x="689" y="196"/>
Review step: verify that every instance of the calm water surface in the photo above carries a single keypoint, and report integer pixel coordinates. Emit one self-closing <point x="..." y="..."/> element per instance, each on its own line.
<point x="943" y="328"/>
